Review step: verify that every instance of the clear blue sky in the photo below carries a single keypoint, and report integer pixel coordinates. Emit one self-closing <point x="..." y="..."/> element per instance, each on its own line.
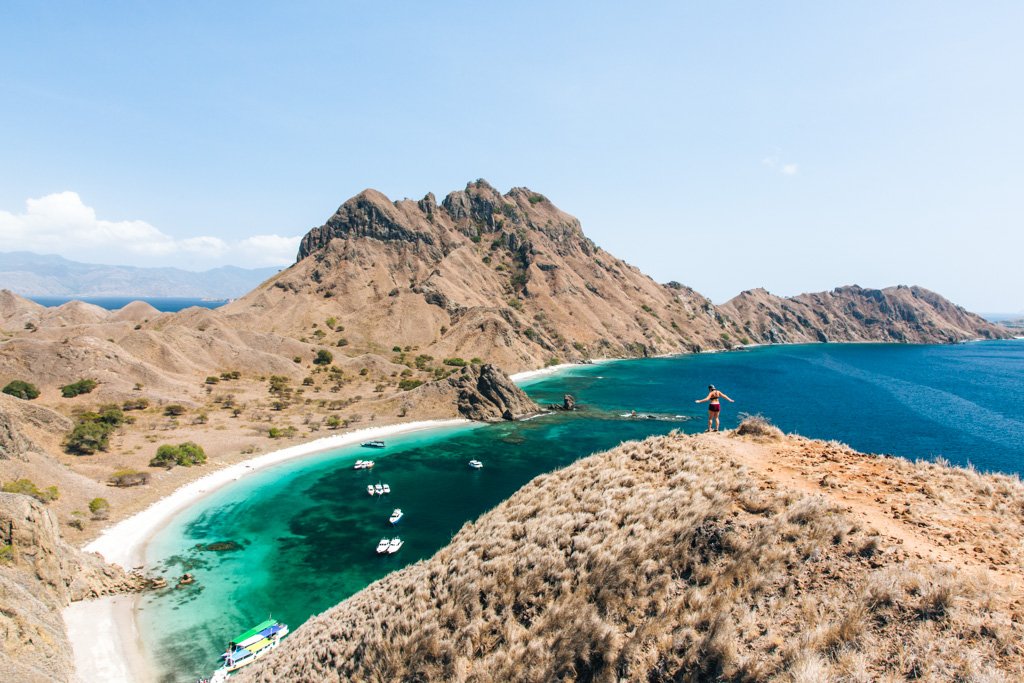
<point x="727" y="145"/>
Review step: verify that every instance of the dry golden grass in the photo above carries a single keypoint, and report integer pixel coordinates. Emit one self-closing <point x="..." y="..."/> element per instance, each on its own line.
<point x="663" y="560"/>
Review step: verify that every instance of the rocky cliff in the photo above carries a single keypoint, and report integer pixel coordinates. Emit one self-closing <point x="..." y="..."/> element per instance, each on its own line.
<point x="508" y="278"/>
<point x="39" y="575"/>
<point x="700" y="558"/>
<point x="895" y="314"/>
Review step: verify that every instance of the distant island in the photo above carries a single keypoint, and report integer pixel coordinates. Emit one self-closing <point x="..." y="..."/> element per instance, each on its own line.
<point x="47" y="275"/>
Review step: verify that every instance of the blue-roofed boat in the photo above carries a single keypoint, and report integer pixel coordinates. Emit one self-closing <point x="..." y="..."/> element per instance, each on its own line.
<point x="249" y="646"/>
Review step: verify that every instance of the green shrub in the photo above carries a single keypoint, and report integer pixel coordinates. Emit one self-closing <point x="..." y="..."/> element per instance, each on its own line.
<point x="279" y="432"/>
<point x="333" y="421"/>
<point x="21" y="389"/>
<point x="278" y="384"/>
<point x="185" y="454"/>
<point x="6" y="553"/>
<point x="343" y="342"/>
<point x="409" y="384"/>
<point x="174" y="410"/>
<point x="231" y="374"/>
<point x="82" y="386"/>
<point x="476" y="360"/>
<point x="323" y="357"/>
<point x="99" y="507"/>
<point x="124" y="478"/>
<point x="28" y="488"/>
<point x="212" y="379"/>
<point x="331" y="322"/>
<point x="455" y="362"/>
<point x="88" y="436"/>
<point x="135" y="404"/>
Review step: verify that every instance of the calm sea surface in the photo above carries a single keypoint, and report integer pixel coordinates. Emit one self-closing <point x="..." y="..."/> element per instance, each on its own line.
<point x="112" y="303"/>
<point x="306" y="530"/>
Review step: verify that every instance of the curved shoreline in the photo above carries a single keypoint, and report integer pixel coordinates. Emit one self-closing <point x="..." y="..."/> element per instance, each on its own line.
<point x="102" y="632"/>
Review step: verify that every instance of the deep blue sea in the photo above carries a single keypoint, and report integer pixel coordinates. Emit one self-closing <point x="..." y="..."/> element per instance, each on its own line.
<point x="306" y="530"/>
<point x="112" y="303"/>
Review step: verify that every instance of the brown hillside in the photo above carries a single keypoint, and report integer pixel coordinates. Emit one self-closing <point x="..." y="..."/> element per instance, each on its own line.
<point x="894" y="314"/>
<point x="507" y="278"/>
<point x="690" y="558"/>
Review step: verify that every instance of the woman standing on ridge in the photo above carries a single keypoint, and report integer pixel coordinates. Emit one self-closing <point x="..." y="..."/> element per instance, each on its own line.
<point x="715" y="407"/>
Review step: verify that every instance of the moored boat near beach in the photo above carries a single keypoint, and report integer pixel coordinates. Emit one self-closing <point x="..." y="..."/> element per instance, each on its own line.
<point x="251" y="645"/>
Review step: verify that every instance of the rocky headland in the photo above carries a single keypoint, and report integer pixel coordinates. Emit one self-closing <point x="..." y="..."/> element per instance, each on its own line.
<point x="748" y="556"/>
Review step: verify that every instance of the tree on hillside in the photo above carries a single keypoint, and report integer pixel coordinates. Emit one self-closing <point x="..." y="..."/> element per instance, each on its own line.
<point x="21" y="389"/>
<point x="323" y="357"/>
<point x="185" y="454"/>
<point x="82" y="386"/>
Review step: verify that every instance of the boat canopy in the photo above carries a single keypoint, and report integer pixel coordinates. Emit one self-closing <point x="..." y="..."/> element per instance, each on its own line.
<point x="254" y="631"/>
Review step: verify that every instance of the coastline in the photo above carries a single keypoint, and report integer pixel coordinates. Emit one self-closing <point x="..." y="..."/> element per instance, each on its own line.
<point x="103" y="632"/>
<point x="527" y="376"/>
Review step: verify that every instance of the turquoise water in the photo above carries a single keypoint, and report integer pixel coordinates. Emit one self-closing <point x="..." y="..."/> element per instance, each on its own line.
<point x="306" y="530"/>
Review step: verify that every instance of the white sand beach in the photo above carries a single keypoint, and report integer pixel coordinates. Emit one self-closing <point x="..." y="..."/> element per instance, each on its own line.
<point x="103" y="632"/>
<point x="530" y="375"/>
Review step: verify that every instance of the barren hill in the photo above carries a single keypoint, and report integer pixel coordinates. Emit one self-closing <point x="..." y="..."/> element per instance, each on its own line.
<point x="691" y="558"/>
<point x="894" y="314"/>
<point x="507" y="278"/>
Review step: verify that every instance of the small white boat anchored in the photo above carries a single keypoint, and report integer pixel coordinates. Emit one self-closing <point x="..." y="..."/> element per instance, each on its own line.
<point x="370" y="489"/>
<point x="372" y="444"/>
<point x="395" y="545"/>
<point x="387" y="489"/>
<point x="383" y="546"/>
<point x="475" y="464"/>
<point x="396" y="515"/>
<point x="363" y="464"/>
<point x="379" y="490"/>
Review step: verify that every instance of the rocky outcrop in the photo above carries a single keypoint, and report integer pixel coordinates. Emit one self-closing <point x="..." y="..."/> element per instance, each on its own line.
<point x="17" y="417"/>
<point x="895" y="314"/>
<point x="40" y="574"/>
<point x="486" y="394"/>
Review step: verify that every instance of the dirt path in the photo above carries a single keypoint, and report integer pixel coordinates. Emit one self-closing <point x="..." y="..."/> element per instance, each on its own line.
<point x="931" y="513"/>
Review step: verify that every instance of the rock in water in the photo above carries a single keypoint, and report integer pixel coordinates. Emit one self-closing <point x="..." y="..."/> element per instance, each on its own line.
<point x="487" y="394"/>
<point x="568" y="402"/>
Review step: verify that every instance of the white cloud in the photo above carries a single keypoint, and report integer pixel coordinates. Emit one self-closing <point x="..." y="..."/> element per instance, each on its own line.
<point x="62" y="224"/>
<point x="785" y="168"/>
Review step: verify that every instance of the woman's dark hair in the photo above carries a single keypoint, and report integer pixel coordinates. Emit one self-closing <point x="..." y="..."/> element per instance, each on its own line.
<point x="711" y="387"/>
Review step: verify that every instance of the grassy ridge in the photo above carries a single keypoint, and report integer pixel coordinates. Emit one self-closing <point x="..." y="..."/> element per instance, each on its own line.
<point x="664" y="560"/>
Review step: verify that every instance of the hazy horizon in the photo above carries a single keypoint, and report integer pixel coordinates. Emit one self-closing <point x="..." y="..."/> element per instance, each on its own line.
<point x="793" y="146"/>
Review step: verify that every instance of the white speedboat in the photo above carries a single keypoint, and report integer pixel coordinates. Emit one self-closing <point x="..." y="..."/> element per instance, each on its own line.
<point x="387" y="489"/>
<point x="379" y="490"/>
<point x="370" y="489"/>
<point x="383" y="546"/>
<point x="475" y="464"/>
<point x="372" y="444"/>
<point x="395" y="516"/>
<point x="358" y="464"/>
<point x="395" y="545"/>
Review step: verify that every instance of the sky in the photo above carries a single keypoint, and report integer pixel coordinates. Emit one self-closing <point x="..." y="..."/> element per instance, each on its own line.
<point x="796" y="146"/>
